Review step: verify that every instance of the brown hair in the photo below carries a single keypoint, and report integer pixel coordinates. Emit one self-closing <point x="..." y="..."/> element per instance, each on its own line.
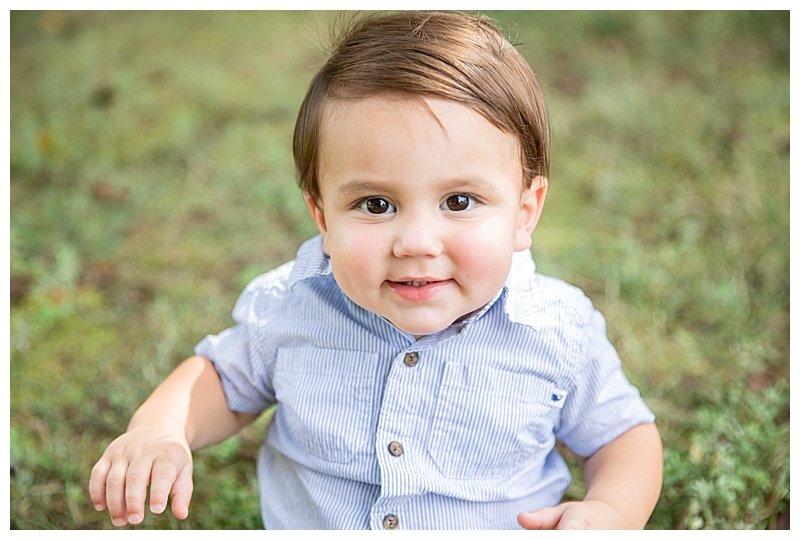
<point x="447" y="55"/>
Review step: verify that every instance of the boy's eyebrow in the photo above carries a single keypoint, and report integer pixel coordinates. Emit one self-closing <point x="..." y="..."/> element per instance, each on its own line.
<point x="467" y="182"/>
<point x="358" y="186"/>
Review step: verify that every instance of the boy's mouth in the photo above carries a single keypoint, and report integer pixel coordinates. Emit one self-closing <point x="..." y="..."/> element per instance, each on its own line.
<point x="417" y="289"/>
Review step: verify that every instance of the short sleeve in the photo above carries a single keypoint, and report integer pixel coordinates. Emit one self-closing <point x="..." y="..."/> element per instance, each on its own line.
<point x="239" y="353"/>
<point x="602" y="403"/>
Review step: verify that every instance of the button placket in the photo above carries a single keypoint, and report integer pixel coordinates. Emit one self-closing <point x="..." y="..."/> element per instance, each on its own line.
<point x="395" y="429"/>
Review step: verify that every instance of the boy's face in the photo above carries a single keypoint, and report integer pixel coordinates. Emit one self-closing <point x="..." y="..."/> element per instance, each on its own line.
<point x="421" y="206"/>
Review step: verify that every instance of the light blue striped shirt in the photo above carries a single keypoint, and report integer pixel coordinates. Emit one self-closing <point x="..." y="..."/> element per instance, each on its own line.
<point x="457" y="430"/>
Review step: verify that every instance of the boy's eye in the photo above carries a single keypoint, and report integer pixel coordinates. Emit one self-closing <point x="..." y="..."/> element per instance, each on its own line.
<point x="458" y="203"/>
<point x="376" y="205"/>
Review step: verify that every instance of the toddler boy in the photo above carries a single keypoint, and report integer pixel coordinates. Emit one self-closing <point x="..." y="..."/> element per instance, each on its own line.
<point x="422" y="370"/>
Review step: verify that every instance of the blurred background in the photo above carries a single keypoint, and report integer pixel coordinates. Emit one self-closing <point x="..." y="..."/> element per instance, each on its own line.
<point x="151" y="179"/>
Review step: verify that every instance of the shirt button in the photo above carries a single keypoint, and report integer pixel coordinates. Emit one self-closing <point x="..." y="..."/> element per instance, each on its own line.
<point x="390" y="521"/>
<point x="396" y="449"/>
<point x="411" y="359"/>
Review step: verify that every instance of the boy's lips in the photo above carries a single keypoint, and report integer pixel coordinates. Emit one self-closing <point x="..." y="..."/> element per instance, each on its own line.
<point x="417" y="288"/>
<point x="419" y="283"/>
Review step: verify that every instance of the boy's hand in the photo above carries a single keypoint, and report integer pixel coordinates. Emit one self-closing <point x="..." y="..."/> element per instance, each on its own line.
<point x="140" y="457"/>
<point x="623" y="482"/>
<point x="573" y="515"/>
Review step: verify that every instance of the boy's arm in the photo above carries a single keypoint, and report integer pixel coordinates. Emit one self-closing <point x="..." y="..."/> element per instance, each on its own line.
<point x="623" y="483"/>
<point x="187" y="411"/>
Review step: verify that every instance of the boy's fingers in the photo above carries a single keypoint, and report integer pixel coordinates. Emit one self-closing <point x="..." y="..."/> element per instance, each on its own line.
<point x="544" y="519"/>
<point x="182" y="492"/>
<point x="136" y="480"/>
<point x="97" y="484"/>
<point x="161" y="483"/>
<point x="115" y="494"/>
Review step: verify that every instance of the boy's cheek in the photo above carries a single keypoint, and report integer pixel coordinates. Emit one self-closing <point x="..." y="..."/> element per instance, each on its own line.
<point x="352" y="252"/>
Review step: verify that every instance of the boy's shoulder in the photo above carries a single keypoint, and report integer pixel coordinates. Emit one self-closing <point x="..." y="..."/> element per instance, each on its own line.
<point x="271" y="284"/>
<point x="310" y="261"/>
<point x="538" y="300"/>
<point x="562" y="291"/>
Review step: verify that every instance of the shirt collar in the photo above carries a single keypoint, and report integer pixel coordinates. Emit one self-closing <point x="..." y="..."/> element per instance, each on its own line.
<point x="522" y="301"/>
<point x="311" y="261"/>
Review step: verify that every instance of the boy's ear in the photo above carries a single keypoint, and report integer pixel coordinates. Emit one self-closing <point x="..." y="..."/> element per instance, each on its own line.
<point x="317" y="214"/>
<point x="531" y="203"/>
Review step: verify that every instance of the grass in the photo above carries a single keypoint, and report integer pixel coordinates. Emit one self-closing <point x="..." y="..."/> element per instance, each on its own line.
<point x="151" y="178"/>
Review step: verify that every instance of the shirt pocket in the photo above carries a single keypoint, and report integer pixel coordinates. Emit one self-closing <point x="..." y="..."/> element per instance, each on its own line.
<point x="489" y="421"/>
<point x="325" y="400"/>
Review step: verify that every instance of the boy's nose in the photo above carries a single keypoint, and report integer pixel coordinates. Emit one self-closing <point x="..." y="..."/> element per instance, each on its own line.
<point x="418" y="237"/>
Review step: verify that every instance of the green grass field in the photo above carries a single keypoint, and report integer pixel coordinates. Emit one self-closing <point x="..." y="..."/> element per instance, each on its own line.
<point x="151" y="178"/>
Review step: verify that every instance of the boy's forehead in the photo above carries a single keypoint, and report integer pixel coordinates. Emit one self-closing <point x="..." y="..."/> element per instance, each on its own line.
<point x="377" y="113"/>
<point x="335" y="105"/>
<point x="391" y="120"/>
<point x="335" y="110"/>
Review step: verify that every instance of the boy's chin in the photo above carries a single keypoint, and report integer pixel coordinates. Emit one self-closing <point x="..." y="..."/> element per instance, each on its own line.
<point x="419" y="328"/>
<point x="419" y="331"/>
